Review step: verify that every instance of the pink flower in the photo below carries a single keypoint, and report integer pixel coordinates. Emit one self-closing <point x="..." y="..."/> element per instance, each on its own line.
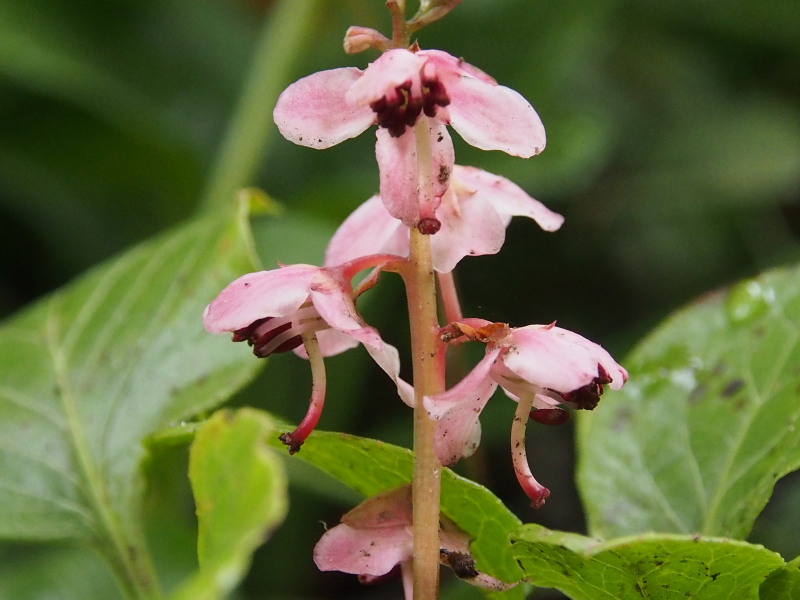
<point x="401" y="91"/>
<point x="544" y="365"/>
<point x="474" y="213"/>
<point x="310" y="310"/>
<point x="376" y="536"/>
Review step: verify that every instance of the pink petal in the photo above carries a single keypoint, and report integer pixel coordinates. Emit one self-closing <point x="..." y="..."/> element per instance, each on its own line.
<point x="557" y="359"/>
<point x="470" y="228"/>
<point x="506" y="197"/>
<point x="448" y="66"/>
<point x="372" y="538"/>
<point x="334" y="304"/>
<point x="388" y="359"/>
<point x="313" y="111"/>
<point x="254" y="296"/>
<point x="397" y="164"/>
<point x="402" y="191"/>
<point x="458" y="409"/>
<point x="494" y="117"/>
<point x="370" y="229"/>
<point x="390" y="70"/>
<point x="392" y="508"/>
<point x="363" y="551"/>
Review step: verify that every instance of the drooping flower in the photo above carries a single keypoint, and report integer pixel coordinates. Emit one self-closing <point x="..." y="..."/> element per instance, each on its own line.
<point x="376" y="536"/>
<point x="545" y="365"/>
<point x="474" y="214"/>
<point x="310" y="310"/>
<point x="411" y="95"/>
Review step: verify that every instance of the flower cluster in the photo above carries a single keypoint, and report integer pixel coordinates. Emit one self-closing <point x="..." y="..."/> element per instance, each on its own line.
<point x="412" y="96"/>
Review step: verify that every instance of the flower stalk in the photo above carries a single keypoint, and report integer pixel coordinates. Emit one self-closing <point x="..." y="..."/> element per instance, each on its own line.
<point x="428" y="365"/>
<point x="428" y="381"/>
<point x="397" y="8"/>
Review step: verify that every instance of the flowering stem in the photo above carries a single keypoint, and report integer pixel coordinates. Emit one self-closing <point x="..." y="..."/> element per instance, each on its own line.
<point x="427" y="360"/>
<point x="428" y="381"/>
<point x="399" y="30"/>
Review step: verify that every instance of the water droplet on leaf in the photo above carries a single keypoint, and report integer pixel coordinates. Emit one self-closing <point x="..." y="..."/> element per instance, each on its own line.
<point x="749" y="300"/>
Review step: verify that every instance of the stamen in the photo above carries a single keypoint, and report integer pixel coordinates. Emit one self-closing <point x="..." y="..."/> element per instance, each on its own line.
<point x="588" y="396"/>
<point x="281" y="334"/>
<point x="401" y="106"/>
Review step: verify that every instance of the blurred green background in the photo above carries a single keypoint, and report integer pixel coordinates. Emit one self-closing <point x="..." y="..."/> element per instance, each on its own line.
<point x="673" y="151"/>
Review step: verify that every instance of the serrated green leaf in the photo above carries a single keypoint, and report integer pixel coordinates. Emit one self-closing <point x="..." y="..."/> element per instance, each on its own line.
<point x="370" y="466"/>
<point x="90" y="371"/>
<point x="240" y="491"/>
<point x="652" y="566"/>
<point x="697" y="438"/>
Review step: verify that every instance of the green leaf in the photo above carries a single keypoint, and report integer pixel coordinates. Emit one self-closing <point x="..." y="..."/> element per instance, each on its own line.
<point x="783" y="583"/>
<point x="240" y="491"/>
<point x="370" y="466"/>
<point x="90" y="371"/>
<point x="697" y="438"/>
<point x="60" y="572"/>
<point x="650" y="566"/>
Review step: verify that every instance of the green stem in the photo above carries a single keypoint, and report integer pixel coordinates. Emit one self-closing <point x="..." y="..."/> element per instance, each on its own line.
<point x="286" y="32"/>
<point x="427" y="361"/>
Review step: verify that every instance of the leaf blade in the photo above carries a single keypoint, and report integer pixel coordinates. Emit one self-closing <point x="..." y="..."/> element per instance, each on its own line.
<point x="88" y="372"/>
<point x="653" y="566"/>
<point x="705" y="427"/>
<point x="240" y="490"/>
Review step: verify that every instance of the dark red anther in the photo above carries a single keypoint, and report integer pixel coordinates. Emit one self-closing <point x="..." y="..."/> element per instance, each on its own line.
<point x="584" y="398"/>
<point x="603" y="376"/>
<point x="429" y="225"/>
<point x="550" y="416"/>
<point x="258" y="339"/>
<point x="435" y="95"/>
<point x="588" y="396"/>
<point x="245" y="333"/>
<point x="400" y="108"/>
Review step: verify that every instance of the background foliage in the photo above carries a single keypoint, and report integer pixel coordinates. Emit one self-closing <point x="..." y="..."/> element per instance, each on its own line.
<point x="673" y="151"/>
